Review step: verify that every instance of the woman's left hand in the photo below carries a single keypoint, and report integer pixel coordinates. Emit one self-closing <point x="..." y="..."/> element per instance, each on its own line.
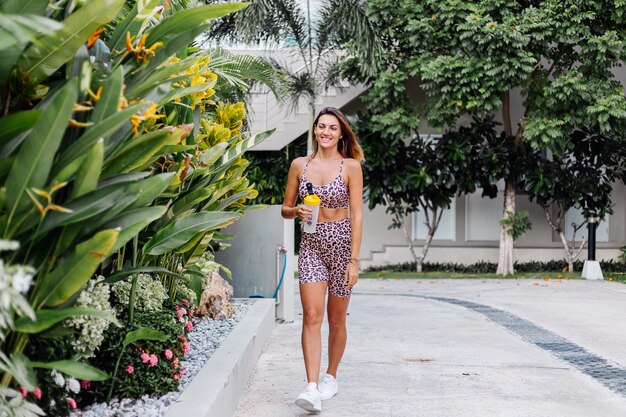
<point x="352" y="275"/>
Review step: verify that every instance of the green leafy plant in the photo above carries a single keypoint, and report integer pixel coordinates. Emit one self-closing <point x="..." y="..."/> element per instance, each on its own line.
<point x="517" y="223"/>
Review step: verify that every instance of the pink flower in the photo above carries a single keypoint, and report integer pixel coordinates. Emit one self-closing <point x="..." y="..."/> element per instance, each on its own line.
<point x="130" y="369"/>
<point x="23" y="391"/>
<point x="186" y="348"/>
<point x="175" y="363"/>
<point x="189" y="326"/>
<point x="186" y="303"/>
<point x="179" y="314"/>
<point x="85" y="384"/>
<point x="153" y="360"/>
<point x="176" y="377"/>
<point x="182" y="370"/>
<point x="145" y="358"/>
<point x="72" y="403"/>
<point x="37" y="393"/>
<point x="168" y="354"/>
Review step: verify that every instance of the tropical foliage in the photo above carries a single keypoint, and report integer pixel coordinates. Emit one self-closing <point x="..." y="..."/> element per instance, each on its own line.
<point x="313" y="39"/>
<point x="469" y="56"/>
<point x="581" y="177"/>
<point x="121" y="155"/>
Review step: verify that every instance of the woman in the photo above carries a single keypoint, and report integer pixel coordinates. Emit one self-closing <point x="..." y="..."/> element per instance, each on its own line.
<point x="329" y="258"/>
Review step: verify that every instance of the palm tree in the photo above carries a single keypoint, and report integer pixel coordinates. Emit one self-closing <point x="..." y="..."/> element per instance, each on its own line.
<point x="316" y="41"/>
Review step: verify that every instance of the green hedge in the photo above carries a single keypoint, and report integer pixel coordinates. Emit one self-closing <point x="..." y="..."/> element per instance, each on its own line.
<point x="488" y="267"/>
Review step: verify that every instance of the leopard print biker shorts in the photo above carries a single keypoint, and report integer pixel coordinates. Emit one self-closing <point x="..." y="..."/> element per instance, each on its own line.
<point x="324" y="256"/>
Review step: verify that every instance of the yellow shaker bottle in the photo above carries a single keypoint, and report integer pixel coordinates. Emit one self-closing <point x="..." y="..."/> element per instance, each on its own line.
<point x="313" y="202"/>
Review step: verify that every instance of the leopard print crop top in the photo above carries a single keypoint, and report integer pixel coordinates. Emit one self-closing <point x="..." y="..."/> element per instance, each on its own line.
<point x="333" y="195"/>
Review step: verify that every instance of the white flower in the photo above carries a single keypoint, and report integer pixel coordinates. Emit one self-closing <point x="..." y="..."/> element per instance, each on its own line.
<point x="95" y="295"/>
<point x="9" y="244"/>
<point x="73" y="385"/>
<point x="22" y="280"/>
<point x="58" y="378"/>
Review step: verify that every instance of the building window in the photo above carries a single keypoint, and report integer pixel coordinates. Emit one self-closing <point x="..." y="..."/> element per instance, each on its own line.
<point x="575" y="216"/>
<point x="446" y="229"/>
<point x="482" y="217"/>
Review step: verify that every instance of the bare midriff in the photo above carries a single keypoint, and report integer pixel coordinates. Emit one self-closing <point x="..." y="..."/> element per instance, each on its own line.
<point x="331" y="214"/>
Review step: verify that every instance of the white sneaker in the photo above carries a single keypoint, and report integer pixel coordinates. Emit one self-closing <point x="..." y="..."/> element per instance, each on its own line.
<point x="328" y="387"/>
<point x="310" y="399"/>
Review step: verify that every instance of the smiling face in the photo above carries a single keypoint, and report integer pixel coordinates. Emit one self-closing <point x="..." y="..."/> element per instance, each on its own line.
<point x="327" y="131"/>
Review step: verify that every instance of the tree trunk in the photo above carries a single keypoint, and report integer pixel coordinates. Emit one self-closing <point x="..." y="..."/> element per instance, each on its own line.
<point x="409" y="241"/>
<point x="505" y="260"/>
<point x="568" y="252"/>
<point x="429" y="239"/>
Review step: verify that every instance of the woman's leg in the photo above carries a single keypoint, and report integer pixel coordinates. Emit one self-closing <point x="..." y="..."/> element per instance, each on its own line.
<point x="337" y="333"/>
<point x="312" y="295"/>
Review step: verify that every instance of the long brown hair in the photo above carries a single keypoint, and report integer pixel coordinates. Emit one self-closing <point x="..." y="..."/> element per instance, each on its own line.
<point x="348" y="146"/>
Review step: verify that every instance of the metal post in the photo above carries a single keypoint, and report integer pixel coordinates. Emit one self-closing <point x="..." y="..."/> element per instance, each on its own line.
<point x="591" y="231"/>
<point x="591" y="268"/>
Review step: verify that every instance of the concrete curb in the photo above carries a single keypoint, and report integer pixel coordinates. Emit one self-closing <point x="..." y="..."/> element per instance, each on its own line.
<point x="217" y="388"/>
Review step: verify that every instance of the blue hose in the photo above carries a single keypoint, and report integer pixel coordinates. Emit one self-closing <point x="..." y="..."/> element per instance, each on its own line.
<point x="282" y="275"/>
<point x="280" y="281"/>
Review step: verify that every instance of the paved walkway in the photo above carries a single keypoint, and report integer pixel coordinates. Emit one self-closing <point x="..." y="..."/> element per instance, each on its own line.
<point x="484" y="348"/>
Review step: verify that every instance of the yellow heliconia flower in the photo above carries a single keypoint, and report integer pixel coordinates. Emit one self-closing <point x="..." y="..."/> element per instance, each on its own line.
<point x="50" y="206"/>
<point x="95" y="96"/>
<point x="140" y="51"/>
<point x="76" y="123"/>
<point x="93" y="38"/>
<point x="149" y="113"/>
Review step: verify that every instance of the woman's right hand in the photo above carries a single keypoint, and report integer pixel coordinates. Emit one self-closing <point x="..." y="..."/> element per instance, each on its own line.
<point x="303" y="212"/>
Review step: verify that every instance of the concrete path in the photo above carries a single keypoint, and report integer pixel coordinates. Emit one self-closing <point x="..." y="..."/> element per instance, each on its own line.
<point x="484" y="348"/>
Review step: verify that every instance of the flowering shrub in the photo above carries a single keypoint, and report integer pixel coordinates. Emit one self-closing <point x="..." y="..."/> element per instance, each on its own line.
<point x="148" y="367"/>
<point x="91" y="329"/>
<point x="15" y="280"/>
<point x="150" y="293"/>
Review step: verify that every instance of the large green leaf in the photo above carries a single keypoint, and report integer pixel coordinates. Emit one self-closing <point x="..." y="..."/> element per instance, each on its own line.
<point x="17" y="123"/>
<point x="109" y="101"/>
<point x="51" y="52"/>
<point x="231" y="199"/>
<point x="208" y="158"/>
<point x="183" y="20"/>
<point x="120" y="179"/>
<point x="75" y="369"/>
<point x="72" y="273"/>
<point x="196" y="196"/>
<point x="151" y="187"/>
<point x="144" y="334"/>
<point x="140" y="151"/>
<point x="83" y="208"/>
<point x="125" y="273"/>
<point x="34" y="159"/>
<point x="72" y="157"/>
<point x="180" y="231"/>
<point x="241" y="147"/>
<point x="202" y="246"/>
<point x="48" y="318"/>
<point x="86" y="179"/>
<point x="16" y="32"/>
<point x="36" y="7"/>
<point x="219" y="189"/>
<point x="132" y="222"/>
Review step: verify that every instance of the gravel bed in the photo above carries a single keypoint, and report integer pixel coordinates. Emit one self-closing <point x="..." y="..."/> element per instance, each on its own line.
<point x="207" y="335"/>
